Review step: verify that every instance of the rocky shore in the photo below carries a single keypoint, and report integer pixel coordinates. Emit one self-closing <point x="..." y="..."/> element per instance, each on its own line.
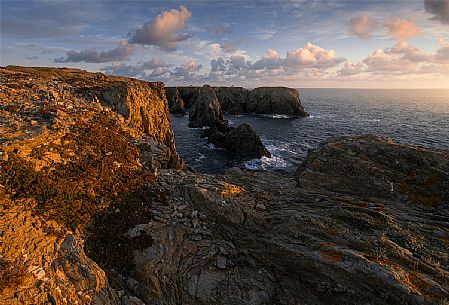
<point x="96" y="207"/>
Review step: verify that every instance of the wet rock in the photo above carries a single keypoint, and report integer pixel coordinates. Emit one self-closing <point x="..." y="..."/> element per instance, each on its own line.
<point x="242" y="142"/>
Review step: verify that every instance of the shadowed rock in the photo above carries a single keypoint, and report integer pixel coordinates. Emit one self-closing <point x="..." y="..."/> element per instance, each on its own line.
<point x="238" y="100"/>
<point x="206" y="111"/>
<point x="175" y="101"/>
<point x="242" y="142"/>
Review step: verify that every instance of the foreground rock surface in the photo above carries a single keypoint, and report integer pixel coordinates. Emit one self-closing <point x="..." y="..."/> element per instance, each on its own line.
<point x="259" y="238"/>
<point x="238" y="100"/>
<point x="85" y="218"/>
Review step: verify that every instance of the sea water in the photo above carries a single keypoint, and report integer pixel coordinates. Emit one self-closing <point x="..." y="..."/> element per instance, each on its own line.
<point x="419" y="117"/>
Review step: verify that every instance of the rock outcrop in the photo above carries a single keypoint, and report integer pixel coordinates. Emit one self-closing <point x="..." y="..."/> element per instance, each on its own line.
<point x="242" y="142"/>
<point x="238" y="100"/>
<point x="175" y="101"/>
<point x="275" y="100"/>
<point x="259" y="238"/>
<point x="232" y="99"/>
<point x="206" y="111"/>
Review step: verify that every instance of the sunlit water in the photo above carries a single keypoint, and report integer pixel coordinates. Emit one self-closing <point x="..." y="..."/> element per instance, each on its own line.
<point x="419" y="117"/>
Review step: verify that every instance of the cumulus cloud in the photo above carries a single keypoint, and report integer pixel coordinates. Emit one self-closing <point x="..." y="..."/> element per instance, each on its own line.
<point x="309" y="60"/>
<point x="402" y="59"/>
<point x="439" y="9"/>
<point x="139" y="69"/>
<point x="312" y="56"/>
<point x="120" y="53"/>
<point x="165" y="30"/>
<point x="351" y="69"/>
<point x="402" y="29"/>
<point x="362" y="26"/>
<point x="187" y="69"/>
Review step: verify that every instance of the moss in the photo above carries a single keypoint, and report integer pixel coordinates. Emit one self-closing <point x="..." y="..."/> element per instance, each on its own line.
<point x="12" y="274"/>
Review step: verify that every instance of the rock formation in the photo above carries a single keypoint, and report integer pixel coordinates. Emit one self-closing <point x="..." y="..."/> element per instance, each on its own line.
<point x="175" y="101"/>
<point x="206" y="111"/>
<point x="242" y="142"/>
<point x="232" y="99"/>
<point x="277" y="100"/>
<point x="238" y="100"/>
<point x="86" y="219"/>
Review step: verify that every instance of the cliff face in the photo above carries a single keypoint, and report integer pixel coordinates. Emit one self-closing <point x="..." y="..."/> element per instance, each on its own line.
<point x="236" y="100"/>
<point x="72" y="143"/>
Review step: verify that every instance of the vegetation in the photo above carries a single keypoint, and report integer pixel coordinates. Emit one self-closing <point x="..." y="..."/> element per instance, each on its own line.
<point x="105" y="165"/>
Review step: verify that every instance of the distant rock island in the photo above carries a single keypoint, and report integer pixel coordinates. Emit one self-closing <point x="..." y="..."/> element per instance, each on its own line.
<point x="97" y="207"/>
<point x="238" y="100"/>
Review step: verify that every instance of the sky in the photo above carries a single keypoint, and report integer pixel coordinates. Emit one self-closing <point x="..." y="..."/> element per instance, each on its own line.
<point x="301" y="44"/>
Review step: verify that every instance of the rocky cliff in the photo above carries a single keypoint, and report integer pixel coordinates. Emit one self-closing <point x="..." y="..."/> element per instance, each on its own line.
<point x="72" y="143"/>
<point x="237" y="100"/>
<point x="87" y="219"/>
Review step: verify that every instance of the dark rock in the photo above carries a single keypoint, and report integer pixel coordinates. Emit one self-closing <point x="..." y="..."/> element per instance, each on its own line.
<point x="275" y="100"/>
<point x="237" y="100"/>
<point x="242" y="142"/>
<point x="175" y="101"/>
<point x="206" y="110"/>
<point x="232" y="99"/>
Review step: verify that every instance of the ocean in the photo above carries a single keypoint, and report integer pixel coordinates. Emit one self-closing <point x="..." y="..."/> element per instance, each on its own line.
<point x="419" y="117"/>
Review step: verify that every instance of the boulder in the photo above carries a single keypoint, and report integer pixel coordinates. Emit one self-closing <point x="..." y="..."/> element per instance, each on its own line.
<point x="242" y="142"/>
<point x="275" y="100"/>
<point x="206" y="110"/>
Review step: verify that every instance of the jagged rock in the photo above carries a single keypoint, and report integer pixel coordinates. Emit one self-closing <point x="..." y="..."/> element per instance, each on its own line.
<point x="206" y="110"/>
<point x="275" y="100"/>
<point x="242" y="142"/>
<point x="175" y="101"/>
<point x="232" y="99"/>
<point x="70" y="148"/>
<point x="238" y="100"/>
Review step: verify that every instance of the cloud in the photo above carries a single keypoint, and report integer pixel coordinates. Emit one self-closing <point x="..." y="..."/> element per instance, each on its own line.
<point x="164" y="31"/>
<point x="187" y="69"/>
<point x="439" y="9"/>
<point x="119" y="68"/>
<point x="362" y="26"/>
<point x="351" y="69"/>
<point x="120" y="53"/>
<point x="310" y="60"/>
<point x="442" y="54"/>
<point x="403" y="60"/>
<point x="402" y="29"/>
<point x="312" y="56"/>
